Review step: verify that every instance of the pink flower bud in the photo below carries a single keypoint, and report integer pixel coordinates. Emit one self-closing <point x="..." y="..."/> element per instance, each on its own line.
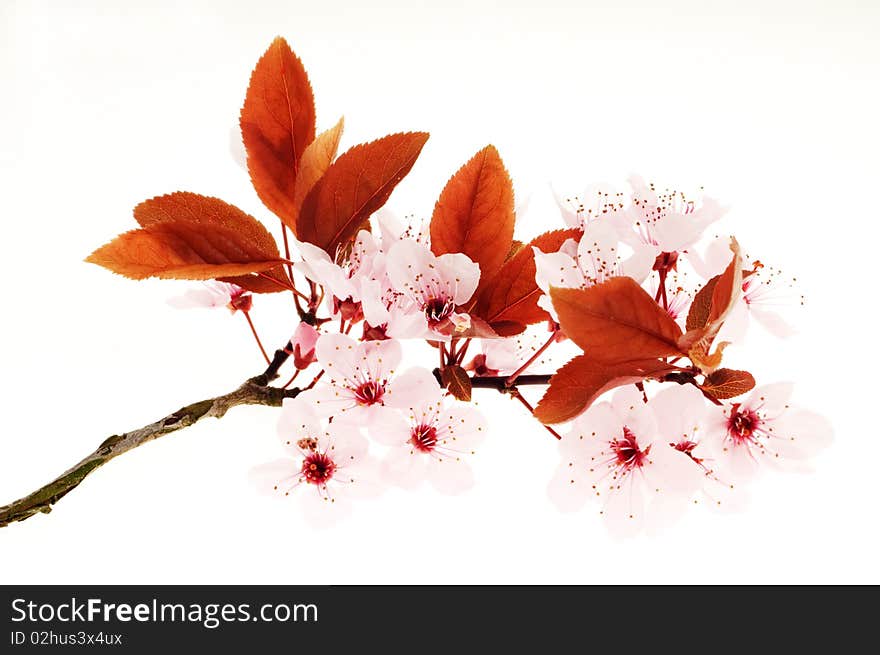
<point x="303" y="341"/>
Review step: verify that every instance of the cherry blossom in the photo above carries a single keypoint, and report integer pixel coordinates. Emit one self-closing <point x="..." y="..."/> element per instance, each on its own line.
<point x="598" y="256"/>
<point x="618" y="453"/>
<point x="303" y="341"/>
<point x="434" y="286"/>
<point x="432" y="440"/>
<point x="215" y="294"/>
<point x="498" y="356"/>
<point x="763" y="430"/>
<point x="596" y="202"/>
<point x="326" y="466"/>
<point x="769" y="296"/>
<point x="361" y="380"/>
<point x="668" y="221"/>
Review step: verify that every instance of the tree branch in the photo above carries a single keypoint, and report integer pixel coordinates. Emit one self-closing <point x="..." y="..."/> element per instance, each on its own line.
<point x="252" y="392"/>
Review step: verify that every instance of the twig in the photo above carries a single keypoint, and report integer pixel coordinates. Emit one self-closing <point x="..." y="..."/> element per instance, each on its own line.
<point x="41" y="500"/>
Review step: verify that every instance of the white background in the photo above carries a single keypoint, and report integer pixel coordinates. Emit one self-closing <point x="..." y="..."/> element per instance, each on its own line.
<point x="771" y="105"/>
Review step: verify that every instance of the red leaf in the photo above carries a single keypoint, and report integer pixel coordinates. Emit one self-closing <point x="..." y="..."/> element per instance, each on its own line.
<point x="616" y="321"/>
<point x="698" y="314"/>
<point x="474" y="214"/>
<point x="207" y="211"/>
<point x="316" y="159"/>
<point x="457" y="382"/>
<point x="512" y="295"/>
<point x="354" y="187"/>
<point x="579" y="383"/>
<point x="727" y="383"/>
<point x="182" y="250"/>
<point x="188" y="236"/>
<point x="277" y="123"/>
<point x="725" y="291"/>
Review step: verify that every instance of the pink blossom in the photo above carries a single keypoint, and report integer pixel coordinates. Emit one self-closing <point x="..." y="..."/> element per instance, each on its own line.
<point x="762" y="430"/>
<point x="325" y="469"/>
<point x="598" y="256"/>
<point x="432" y="440"/>
<point x="303" y="341"/>
<point x="769" y="296"/>
<point x="432" y="286"/>
<point x="361" y="381"/>
<point x="668" y="220"/>
<point x="215" y="294"/>
<point x="618" y="455"/>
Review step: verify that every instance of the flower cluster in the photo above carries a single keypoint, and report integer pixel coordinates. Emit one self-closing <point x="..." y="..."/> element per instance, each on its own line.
<point x="620" y="313"/>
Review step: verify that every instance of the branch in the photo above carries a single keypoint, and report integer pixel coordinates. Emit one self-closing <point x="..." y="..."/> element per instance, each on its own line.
<point x="252" y="392"/>
<point x="501" y="383"/>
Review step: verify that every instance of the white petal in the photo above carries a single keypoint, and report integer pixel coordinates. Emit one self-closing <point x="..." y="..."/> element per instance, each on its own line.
<point x="379" y="359"/>
<point x="556" y="270"/>
<point x="680" y="411"/>
<point x="569" y="492"/>
<point x="375" y="311"/>
<point x="464" y="427"/>
<point x="770" y="400"/>
<point x="411" y="389"/>
<point x="323" y="510"/>
<point x="463" y="274"/>
<point x="339" y="355"/>
<point x="391" y="428"/>
<point x="450" y="475"/>
<point x="274" y="478"/>
<point x="772" y="322"/>
<point x="799" y="434"/>
<point x="405" y="467"/>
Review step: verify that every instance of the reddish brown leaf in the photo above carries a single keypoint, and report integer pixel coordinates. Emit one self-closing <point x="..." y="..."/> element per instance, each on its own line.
<point x="579" y="383"/>
<point x="515" y="247"/>
<point x="457" y="382"/>
<point x="355" y="186"/>
<point x="182" y="250"/>
<point x="702" y="357"/>
<point x="728" y="288"/>
<point x="616" y="321"/>
<point x="474" y="214"/>
<point x="277" y="123"/>
<point x="727" y="383"/>
<point x="512" y="294"/>
<point x="205" y="210"/>
<point x="274" y="280"/>
<point x="698" y="314"/>
<point x="725" y="291"/>
<point x="316" y="159"/>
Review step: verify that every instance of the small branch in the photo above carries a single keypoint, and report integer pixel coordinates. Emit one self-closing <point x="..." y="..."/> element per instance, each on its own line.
<point x="252" y="392"/>
<point x="500" y="383"/>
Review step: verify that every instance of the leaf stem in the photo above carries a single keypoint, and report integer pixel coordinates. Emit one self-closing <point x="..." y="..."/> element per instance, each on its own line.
<point x="247" y="316"/>
<point x="514" y="393"/>
<point x="531" y="360"/>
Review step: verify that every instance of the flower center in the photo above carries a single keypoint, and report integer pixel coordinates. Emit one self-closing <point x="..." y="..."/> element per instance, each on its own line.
<point x="317" y="468"/>
<point x="437" y="309"/>
<point x="369" y="393"/>
<point x="629" y="455"/>
<point x="424" y="438"/>
<point x="742" y="424"/>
